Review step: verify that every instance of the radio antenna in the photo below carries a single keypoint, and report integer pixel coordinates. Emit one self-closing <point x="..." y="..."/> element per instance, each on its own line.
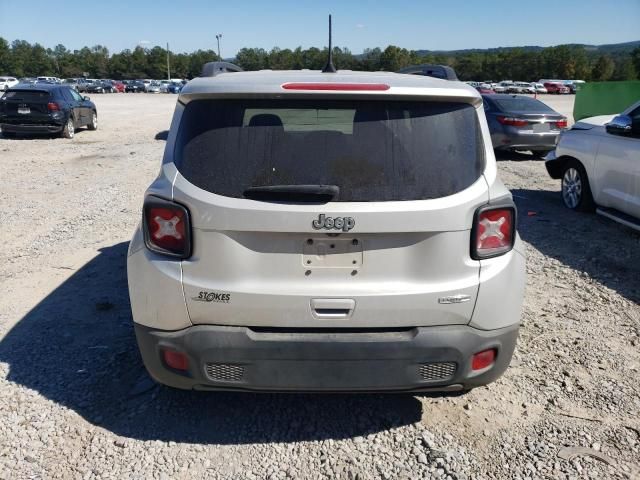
<point x="329" y="67"/>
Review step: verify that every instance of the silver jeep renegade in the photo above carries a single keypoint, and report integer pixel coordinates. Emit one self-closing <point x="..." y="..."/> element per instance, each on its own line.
<point x="317" y="231"/>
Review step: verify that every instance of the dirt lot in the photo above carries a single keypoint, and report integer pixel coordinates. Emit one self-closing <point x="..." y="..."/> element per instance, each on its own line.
<point x="75" y="401"/>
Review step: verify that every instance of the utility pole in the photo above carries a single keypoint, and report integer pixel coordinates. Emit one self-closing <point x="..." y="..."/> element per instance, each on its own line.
<point x="168" y="64"/>
<point x="218" y="37"/>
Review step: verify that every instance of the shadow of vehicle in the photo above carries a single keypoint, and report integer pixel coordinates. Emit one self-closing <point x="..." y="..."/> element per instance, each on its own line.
<point x="605" y="250"/>
<point x="518" y="156"/>
<point x="163" y="135"/>
<point x="40" y="136"/>
<point x="77" y="348"/>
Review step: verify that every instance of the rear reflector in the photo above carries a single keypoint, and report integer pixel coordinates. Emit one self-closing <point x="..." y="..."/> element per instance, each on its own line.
<point x="493" y="232"/>
<point x="484" y="359"/>
<point x="166" y="228"/>
<point x="511" y="121"/>
<point x="345" y="87"/>
<point x="175" y="360"/>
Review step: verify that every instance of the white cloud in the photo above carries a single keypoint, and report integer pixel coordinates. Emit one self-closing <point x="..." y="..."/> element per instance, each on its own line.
<point x="144" y="42"/>
<point x="359" y="25"/>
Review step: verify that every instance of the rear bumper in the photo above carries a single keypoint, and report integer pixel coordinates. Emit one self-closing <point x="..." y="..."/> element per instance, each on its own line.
<point x="27" y="128"/>
<point x="241" y="358"/>
<point x="512" y="139"/>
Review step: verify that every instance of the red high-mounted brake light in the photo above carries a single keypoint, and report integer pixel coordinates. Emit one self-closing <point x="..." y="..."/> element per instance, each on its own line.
<point x="343" y="87"/>
<point x="167" y="228"/>
<point x="493" y="232"/>
<point x="511" y="121"/>
<point x="53" y="107"/>
<point x="561" y="123"/>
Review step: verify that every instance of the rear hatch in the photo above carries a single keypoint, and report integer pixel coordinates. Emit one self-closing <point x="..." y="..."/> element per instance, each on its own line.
<point x="27" y="106"/>
<point x="316" y="213"/>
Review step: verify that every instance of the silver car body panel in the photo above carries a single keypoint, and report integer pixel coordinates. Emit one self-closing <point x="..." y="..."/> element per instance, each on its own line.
<point x="612" y="162"/>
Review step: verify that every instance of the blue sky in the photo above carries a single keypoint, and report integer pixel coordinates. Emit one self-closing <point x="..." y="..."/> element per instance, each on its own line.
<point x="434" y="25"/>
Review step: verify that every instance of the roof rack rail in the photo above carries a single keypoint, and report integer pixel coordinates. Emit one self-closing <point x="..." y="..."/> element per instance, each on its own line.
<point x="212" y="69"/>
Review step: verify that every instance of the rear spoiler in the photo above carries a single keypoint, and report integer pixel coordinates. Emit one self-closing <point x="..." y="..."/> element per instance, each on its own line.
<point x="212" y="69"/>
<point x="443" y="72"/>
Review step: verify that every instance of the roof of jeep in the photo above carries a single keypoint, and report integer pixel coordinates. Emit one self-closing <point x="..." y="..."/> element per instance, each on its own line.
<point x="271" y="81"/>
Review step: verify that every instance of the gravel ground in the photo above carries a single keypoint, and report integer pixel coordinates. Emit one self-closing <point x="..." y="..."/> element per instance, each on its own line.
<point x="75" y="401"/>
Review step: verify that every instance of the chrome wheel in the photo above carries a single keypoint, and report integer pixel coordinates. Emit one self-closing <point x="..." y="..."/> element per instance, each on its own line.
<point x="571" y="188"/>
<point x="94" y="122"/>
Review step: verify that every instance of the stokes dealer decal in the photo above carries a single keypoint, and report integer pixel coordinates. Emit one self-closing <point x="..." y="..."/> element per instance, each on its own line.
<point x="213" y="297"/>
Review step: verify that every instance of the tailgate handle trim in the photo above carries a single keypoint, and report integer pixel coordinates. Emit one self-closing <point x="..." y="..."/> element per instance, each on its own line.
<point x="332" y="308"/>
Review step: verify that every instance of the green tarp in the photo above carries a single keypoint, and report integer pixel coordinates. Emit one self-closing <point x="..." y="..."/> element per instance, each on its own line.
<point x="605" y="98"/>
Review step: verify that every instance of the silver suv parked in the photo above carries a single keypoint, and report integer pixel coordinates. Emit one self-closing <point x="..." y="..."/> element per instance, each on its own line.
<point x="317" y="231"/>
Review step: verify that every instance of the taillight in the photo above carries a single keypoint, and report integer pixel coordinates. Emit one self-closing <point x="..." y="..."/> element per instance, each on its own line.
<point x="53" y="107"/>
<point x="493" y="232"/>
<point x="514" y="122"/>
<point x="167" y="229"/>
<point x="562" y="123"/>
<point x="483" y="360"/>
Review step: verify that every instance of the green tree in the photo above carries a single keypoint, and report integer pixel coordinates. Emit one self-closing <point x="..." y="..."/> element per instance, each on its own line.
<point x="5" y="56"/>
<point x="624" y="70"/>
<point x="603" y="68"/>
<point x="197" y="60"/>
<point x="370" y="59"/>
<point x="635" y="58"/>
<point x="394" y="58"/>
<point x="157" y="62"/>
<point x="252" y="58"/>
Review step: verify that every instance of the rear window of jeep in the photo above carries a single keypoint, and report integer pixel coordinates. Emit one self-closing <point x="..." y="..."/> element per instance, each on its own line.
<point x="372" y="150"/>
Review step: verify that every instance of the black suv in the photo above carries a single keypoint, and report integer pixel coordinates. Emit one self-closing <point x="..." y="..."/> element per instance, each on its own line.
<point x="45" y="108"/>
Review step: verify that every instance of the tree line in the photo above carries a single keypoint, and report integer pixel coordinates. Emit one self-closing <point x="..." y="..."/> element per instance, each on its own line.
<point x="23" y="59"/>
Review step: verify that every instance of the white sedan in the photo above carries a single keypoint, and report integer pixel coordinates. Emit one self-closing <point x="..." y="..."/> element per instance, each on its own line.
<point x="8" y="82"/>
<point x="598" y="161"/>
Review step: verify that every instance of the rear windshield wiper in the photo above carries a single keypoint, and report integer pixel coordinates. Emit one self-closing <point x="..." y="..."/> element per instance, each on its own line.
<point x="293" y="193"/>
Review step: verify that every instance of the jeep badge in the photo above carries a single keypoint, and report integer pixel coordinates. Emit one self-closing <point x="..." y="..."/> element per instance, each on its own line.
<point x="339" y="223"/>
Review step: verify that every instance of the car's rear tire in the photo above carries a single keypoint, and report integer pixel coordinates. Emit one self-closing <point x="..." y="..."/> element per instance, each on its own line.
<point x="69" y="129"/>
<point x="93" y="125"/>
<point x="575" y="189"/>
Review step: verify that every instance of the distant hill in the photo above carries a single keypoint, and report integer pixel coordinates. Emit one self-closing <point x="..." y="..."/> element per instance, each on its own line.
<point x="615" y="48"/>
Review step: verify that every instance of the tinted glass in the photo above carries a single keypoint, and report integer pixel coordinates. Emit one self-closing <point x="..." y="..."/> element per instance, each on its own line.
<point x="522" y="104"/>
<point x="66" y="94"/>
<point x="27" y="95"/>
<point x="372" y="150"/>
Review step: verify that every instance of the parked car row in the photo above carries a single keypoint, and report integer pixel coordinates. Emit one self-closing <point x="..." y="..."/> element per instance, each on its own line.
<point x="48" y="105"/>
<point x="542" y="86"/>
<point x="154" y="86"/>
<point x="103" y="85"/>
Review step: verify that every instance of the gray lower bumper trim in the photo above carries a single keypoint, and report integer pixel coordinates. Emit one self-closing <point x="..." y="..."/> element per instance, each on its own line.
<point x="246" y="359"/>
